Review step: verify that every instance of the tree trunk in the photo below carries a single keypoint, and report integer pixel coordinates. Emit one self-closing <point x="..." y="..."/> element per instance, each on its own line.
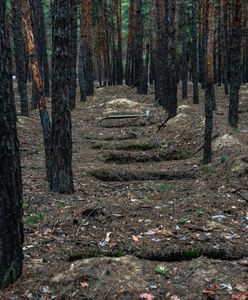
<point x="194" y="60"/>
<point x="223" y="38"/>
<point x="61" y="180"/>
<point x="40" y="43"/>
<point x="73" y="60"/>
<point x="171" y="80"/>
<point x="184" y="56"/>
<point x="203" y="42"/>
<point x="141" y="82"/>
<point x="235" y="55"/>
<point x="20" y="57"/>
<point x="11" y="226"/>
<point x="160" y="69"/>
<point x="119" y="67"/>
<point x="86" y="63"/>
<point x="38" y="84"/>
<point x="209" y="89"/>
<point x="130" y="38"/>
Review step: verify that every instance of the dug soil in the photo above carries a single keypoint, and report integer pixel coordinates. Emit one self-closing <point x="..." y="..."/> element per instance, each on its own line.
<point x="147" y="220"/>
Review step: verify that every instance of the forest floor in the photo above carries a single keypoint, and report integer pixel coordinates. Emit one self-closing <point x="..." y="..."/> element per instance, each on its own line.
<point x="147" y="220"/>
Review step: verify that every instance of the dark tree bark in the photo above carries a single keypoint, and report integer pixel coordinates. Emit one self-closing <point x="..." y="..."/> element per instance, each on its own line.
<point x="235" y="56"/>
<point x="85" y="59"/>
<point x="140" y="76"/>
<point x="38" y="83"/>
<point x="73" y="60"/>
<point x="171" y="81"/>
<point x="209" y="89"/>
<point x="11" y="226"/>
<point x="203" y="43"/>
<point x="223" y="41"/>
<point x="160" y="70"/>
<point x="129" y="74"/>
<point x="219" y="43"/>
<point x="119" y="66"/>
<point x="61" y="180"/>
<point x="40" y="43"/>
<point x="194" y="60"/>
<point x="184" y="56"/>
<point x="20" y="57"/>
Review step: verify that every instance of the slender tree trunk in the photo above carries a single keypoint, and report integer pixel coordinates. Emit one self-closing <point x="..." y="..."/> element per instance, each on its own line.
<point x="171" y="80"/>
<point x="184" y="57"/>
<point x="61" y="180"/>
<point x="194" y="60"/>
<point x="219" y="43"/>
<point x="161" y="41"/>
<point x="130" y="44"/>
<point x="40" y="43"/>
<point x="235" y="55"/>
<point x="38" y="84"/>
<point x="11" y="226"/>
<point x="86" y="62"/>
<point x="141" y="83"/>
<point x="20" y="57"/>
<point x="203" y="41"/>
<point x="73" y="60"/>
<point x="223" y="38"/>
<point x="119" y="66"/>
<point x="209" y="89"/>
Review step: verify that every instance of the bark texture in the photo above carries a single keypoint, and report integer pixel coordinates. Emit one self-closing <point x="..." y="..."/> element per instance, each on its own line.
<point x="20" y="56"/>
<point x="38" y="83"/>
<point x="209" y="89"/>
<point x="61" y="180"/>
<point x="11" y="227"/>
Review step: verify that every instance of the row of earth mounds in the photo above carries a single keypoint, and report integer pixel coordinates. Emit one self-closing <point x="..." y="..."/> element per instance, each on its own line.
<point x="164" y="251"/>
<point x="125" y="174"/>
<point x="141" y="145"/>
<point x="143" y="157"/>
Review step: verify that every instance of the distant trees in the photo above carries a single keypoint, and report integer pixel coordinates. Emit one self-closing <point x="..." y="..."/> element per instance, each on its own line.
<point x="61" y="179"/>
<point x="119" y="65"/>
<point x="11" y="227"/>
<point x="86" y="54"/>
<point x="140" y="76"/>
<point x="129" y="68"/>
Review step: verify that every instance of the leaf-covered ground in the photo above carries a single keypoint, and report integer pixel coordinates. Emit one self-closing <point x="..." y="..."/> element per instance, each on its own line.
<point x="148" y="220"/>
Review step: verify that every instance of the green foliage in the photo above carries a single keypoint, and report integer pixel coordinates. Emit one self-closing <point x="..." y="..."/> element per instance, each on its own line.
<point x="25" y="205"/>
<point x="223" y="158"/>
<point x="33" y="219"/>
<point x="184" y="219"/>
<point x="146" y="198"/>
<point x="161" y="269"/>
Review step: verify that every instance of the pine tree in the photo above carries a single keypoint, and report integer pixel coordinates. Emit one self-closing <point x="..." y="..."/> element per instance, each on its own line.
<point x="20" y="56"/>
<point x="61" y="179"/>
<point x="11" y="227"/>
<point x="209" y="86"/>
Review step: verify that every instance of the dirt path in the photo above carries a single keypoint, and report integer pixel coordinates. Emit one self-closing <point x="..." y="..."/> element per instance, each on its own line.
<point x="147" y="218"/>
